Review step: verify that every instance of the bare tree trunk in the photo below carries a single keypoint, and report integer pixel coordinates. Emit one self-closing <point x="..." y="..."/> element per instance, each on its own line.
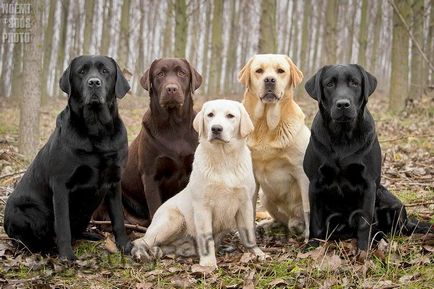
<point x="330" y="44"/>
<point x="48" y="42"/>
<point x="31" y="100"/>
<point x="417" y="64"/>
<point x="267" y="27"/>
<point x="62" y="41"/>
<point x="216" y="49"/>
<point x="400" y="47"/>
<point x="304" y="52"/>
<point x="430" y="48"/>
<point x="124" y="34"/>
<point x="168" y="32"/>
<point x="232" y="50"/>
<point x="90" y="4"/>
<point x="180" y="27"/>
<point x="105" y="40"/>
<point x="206" y="46"/>
<point x="17" y="71"/>
<point x="292" y="47"/>
<point x="377" y="29"/>
<point x="363" y="34"/>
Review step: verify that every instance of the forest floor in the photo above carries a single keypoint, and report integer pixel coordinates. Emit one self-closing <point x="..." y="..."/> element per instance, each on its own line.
<point x="407" y="143"/>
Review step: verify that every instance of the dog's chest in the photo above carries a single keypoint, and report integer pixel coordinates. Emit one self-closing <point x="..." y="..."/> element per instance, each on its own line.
<point x="96" y="172"/>
<point x="343" y="181"/>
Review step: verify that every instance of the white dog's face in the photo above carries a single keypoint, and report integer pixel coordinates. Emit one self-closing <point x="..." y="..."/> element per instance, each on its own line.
<point x="222" y="120"/>
<point x="269" y="76"/>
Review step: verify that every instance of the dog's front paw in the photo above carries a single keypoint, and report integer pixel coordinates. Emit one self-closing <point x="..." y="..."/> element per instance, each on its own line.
<point x="67" y="256"/>
<point x="125" y="247"/>
<point x="260" y="255"/>
<point x="208" y="262"/>
<point x="142" y="252"/>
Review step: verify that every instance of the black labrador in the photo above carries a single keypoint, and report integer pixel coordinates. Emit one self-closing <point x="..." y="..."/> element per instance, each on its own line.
<point x="79" y="167"/>
<point x="343" y="162"/>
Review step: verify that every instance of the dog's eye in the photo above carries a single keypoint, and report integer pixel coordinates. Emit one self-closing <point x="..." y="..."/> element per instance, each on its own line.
<point x="260" y="70"/>
<point x="82" y="71"/>
<point x="230" y="115"/>
<point x="280" y="70"/>
<point x="181" y="73"/>
<point x="104" y="70"/>
<point x="161" y="74"/>
<point x="354" y="83"/>
<point x="330" y="84"/>
<point x="210" y="114"/>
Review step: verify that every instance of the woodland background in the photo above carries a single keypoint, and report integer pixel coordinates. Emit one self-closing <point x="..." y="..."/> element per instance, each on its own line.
<point x="218" y="37"/>
<point x="393" y="39"/>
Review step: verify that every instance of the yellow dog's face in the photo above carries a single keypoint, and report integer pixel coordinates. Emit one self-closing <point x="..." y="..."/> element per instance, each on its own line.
<point x="270" y="76"/>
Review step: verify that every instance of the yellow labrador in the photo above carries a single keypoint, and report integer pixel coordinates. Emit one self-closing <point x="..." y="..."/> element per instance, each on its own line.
<point x="219" y="195"/>
<point x="280" y="138"/>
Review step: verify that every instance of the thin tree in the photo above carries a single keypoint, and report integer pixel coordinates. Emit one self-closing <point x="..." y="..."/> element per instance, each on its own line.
<point x="400" y="46"/>
<point x="267" y="27"/>
<point x="216" y="48"/>
<point x="363" y="34"/>
<point x="417" y="64"/>
<point x="48" y="43"/>
<point x="330" y="43"/>
<point x="180" y="27"/>
<point x="124" y="34"/>
<point x="31" y="99"/>
<point x="90" y="4"/>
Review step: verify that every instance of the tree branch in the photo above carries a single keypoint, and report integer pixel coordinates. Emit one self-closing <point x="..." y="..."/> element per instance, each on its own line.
<point x="431" y="66"/>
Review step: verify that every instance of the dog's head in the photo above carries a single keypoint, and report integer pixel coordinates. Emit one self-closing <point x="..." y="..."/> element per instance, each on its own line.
<point x="94" y="81"/>
<point x="270" y="76"/>
<point x="342" y="91"/>
<point x="223" y="121"/>
<point x="171" y="80"/>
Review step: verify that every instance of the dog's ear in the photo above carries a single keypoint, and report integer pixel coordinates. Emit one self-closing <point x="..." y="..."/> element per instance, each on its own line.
<point x="196" y="78"/>
<point x="313" y="85"/>
<point x="198" y="122"/>
<point x="296" y="74"/>
<point x="369" y="82"/>
<point x="246" y="125"/>
<point x="65" y="80"/>
<point x="244" y="74"/>
<point x="121" y="86"/>
<point x="146" y="79"/>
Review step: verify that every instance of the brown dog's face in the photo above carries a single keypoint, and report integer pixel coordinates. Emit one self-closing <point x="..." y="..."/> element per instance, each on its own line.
<point x="269" y="76"/>
<point x="171" y="80"/>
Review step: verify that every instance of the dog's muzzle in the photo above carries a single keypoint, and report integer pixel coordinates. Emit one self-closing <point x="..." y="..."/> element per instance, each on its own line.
<point x="269" y="97"/>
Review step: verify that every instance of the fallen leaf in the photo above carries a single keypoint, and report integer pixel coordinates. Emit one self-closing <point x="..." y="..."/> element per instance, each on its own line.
<point x="196" y="268"/>
<point x="331" y="263"/>
<point x="247" y="257"/>
<point x="183" y="282"/>
<point x="146" y="285"/>
<point x="314" y="254"/>
<point x="110" y="246"/>
<point x="408" y="278"/>
<point x="276" y="282"/>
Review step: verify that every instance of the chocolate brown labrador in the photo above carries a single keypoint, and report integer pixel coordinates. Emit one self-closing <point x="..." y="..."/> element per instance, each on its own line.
<point x="160" y="158"/>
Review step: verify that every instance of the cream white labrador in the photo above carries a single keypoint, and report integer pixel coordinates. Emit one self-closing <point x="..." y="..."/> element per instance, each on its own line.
<point x="219" y="196"/>
<point x="280" y="138"/>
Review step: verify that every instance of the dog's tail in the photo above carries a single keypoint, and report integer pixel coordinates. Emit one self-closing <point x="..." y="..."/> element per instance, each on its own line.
<point x="135" y="208"/>
<point x="414" y="226"/>
<point x="393" y="216"/>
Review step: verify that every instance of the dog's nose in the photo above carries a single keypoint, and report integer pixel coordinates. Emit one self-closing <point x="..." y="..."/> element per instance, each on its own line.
<point x="343" y="103"/>
<point x="269" y="80"/>
<point x="94" y="82"/>
<point x="171" y="89"/>
<point x="216" y="129"/>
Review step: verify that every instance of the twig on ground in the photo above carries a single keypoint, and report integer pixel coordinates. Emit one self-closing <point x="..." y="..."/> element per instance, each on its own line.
<point x="420" y="204"/>
<point x="12" y="174"/>
<point x="128" y="226"/>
